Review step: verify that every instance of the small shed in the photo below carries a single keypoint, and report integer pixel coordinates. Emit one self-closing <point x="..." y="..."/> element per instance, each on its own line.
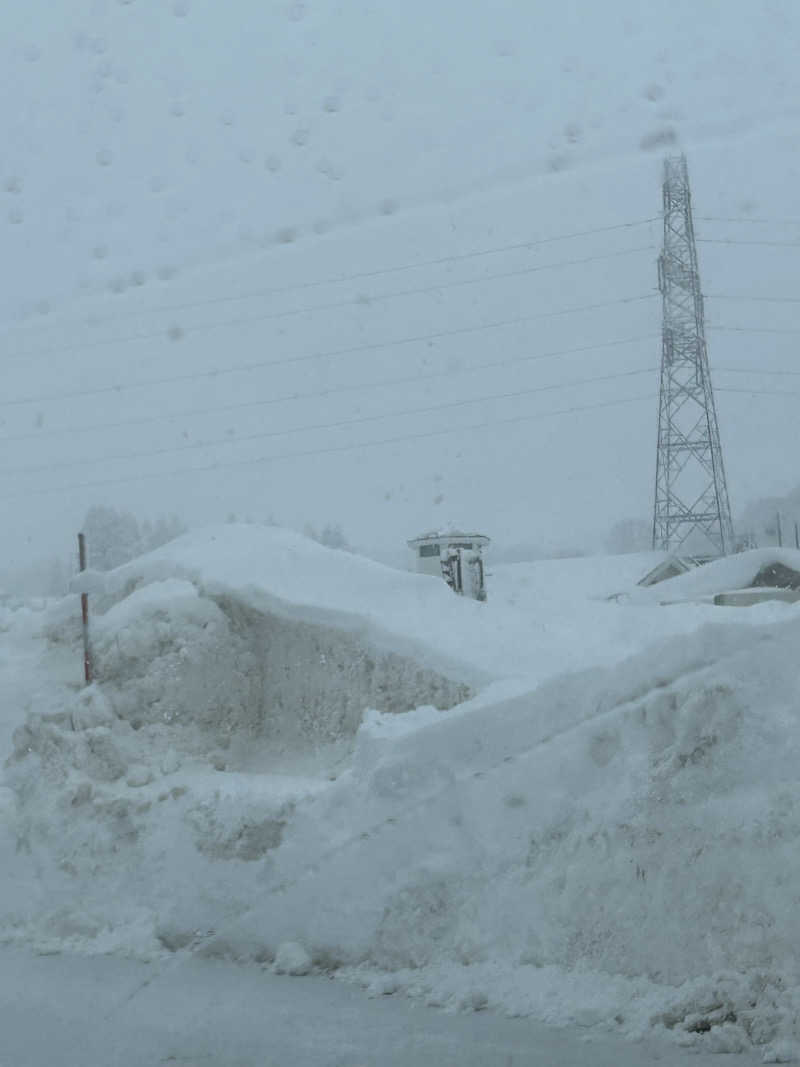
<point x="775" y="581"/>
<point x="431" y="548"/>
<point x="672" y="567"/>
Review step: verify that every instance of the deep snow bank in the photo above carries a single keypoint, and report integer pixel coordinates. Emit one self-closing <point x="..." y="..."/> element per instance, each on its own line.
<point x="123" y="778"/>
<point x="642" y="823"/>
<point x="722" y="575"/>
<point x="638" y="819"/>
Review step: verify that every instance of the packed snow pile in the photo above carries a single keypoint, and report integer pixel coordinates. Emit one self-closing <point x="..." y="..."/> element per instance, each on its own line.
<point x="297" y="756"/>
<point x="723" y="575"/>
<point x="642" y="823"/>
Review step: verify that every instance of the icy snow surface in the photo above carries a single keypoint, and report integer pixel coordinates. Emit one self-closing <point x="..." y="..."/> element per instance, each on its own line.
<point x="570" y="802"/>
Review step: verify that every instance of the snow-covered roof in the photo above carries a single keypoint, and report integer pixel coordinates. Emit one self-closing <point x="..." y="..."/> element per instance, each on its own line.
<point x="448" y="535"/>
<point x="722" y="575"/>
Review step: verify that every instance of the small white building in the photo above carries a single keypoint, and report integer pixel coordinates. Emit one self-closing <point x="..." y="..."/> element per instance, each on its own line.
<point x="429" y="549"/>
<point x="455" y="556"/>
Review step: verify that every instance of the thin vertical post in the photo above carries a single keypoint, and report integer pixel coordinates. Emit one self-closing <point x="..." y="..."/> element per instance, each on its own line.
<point x="797" y="535"/>
<point x="780" y="529"/>
<point x="87" y="652"/>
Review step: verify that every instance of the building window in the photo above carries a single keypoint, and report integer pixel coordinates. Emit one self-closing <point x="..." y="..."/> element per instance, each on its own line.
<point x="461" y="544"/>
<point x="428" y="550"/>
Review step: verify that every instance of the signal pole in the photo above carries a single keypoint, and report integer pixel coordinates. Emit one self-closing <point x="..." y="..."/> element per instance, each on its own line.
<point x="691" y="508"/>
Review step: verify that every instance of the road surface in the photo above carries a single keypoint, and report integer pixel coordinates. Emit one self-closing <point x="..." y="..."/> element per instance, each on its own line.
<point x="68" y="1011"/>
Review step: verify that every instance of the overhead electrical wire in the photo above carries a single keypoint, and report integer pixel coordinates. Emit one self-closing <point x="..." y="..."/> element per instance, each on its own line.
<point x="260" y="364"/>
<point x="339" y="424"/>
<point x="737" y="241"/>
<point x="750" y="329"/>
<point x="378" y="272"/>
<point x="332" y="390"/>
<point x="757" y="392"/>
<point x="351" y="302"/>
<point x="753" y="297"/>
<point x="756" y="370"/>
<point x="182" y="472"/>
<point x="746" y="219"/>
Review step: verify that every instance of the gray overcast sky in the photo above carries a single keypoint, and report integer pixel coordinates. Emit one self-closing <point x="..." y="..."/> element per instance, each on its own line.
<point x="174" y="174"/>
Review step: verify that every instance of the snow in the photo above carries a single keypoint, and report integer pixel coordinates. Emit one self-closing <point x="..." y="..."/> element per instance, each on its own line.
<point x="292" y="959"/>
<point x="722" y="575"/>
<point x="570" y="803"/>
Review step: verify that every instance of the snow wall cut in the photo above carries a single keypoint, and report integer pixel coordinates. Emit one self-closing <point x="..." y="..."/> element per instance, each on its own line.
<point x="119" y="789"/>
<point x="234" y="674"/>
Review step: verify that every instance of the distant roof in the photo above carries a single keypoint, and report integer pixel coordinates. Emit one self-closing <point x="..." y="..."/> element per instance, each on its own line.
<point x="670" y="567"/>
<point x="448" y="535"/>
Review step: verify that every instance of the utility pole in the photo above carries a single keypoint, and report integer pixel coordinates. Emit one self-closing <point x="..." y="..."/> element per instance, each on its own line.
<point x="691" y="508"/>
<point x="87" y="648"/>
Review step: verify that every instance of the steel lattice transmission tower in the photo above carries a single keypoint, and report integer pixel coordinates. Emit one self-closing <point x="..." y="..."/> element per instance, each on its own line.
<point x="692" y="510"/>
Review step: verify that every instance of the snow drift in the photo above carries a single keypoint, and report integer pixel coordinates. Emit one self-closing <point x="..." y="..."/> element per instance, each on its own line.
<point x="269" y="761"/>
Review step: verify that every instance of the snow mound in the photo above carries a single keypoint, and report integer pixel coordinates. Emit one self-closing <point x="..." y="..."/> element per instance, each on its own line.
<point x="289" y="746"/>
<point x="193" y="690"/>
<point x="292" y="959"/>
<point x="719" y="576"/>
<point x="642" y="823"/>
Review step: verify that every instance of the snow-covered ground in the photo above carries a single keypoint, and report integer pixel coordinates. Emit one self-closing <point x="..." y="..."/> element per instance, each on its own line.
<point x="576" y="802"/>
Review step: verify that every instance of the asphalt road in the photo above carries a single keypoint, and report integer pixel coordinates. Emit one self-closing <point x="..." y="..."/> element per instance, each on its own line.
<point x="68" y="1011"/>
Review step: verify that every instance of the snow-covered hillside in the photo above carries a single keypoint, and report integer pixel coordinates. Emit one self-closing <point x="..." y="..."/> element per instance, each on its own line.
<point x="563" y="803"/>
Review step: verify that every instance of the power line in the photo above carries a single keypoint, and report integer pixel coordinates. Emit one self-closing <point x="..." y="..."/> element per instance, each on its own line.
<point x="327" y="451"/>
<point x="752" y="329"/>
<point x="756" y="370"/>
<point x="384" y="383"/>
<point x="340" y="424"/>
<point x="260" y="364"/>
<point x="757" y="299"/>
<point x="736" y="241"/>
<point x="721" y="218"/>
<point x="349" y="303"/>
<point x="760" y="392"/>
<point x="362" y="275"/>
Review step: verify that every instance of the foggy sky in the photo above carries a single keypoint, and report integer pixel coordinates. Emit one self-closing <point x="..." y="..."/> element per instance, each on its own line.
<point x="168" y="165"/>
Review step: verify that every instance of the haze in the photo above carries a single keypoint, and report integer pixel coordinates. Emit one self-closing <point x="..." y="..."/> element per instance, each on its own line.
<point x="182" y="183"/>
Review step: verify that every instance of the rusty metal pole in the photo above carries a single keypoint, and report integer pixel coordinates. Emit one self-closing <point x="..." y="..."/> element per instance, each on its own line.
<point x="87" y="651"/>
